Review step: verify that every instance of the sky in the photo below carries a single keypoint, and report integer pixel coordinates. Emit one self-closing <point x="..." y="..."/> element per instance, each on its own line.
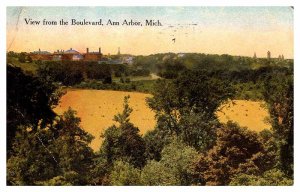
<point x="210" y="30"/>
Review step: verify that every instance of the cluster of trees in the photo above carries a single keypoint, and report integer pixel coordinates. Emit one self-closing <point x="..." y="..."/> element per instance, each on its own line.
<point x="72" y="73"/>
<point x="187" y="147"/>
<point x="169" y="65"/>
<point x="22" y="57"/>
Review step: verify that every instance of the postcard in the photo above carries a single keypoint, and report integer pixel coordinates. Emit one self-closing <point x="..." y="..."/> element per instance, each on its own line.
<point x="150" y="96"/>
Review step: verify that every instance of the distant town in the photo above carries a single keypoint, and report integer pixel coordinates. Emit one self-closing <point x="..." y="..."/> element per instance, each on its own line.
<point x="74" y="55"/>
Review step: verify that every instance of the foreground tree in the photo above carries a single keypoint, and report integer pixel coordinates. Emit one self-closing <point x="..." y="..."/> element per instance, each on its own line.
<point x="185" y="108"/>
<point x="124" y="174"/>
<point x="56" y="156"/>
<point x="279" y="94"/>
<point x="272" y="177"/>
<point x="174" y="168"/>
<point x="234" y="146"/>
<point x="30" y="101"/>
<point x="30" y="160"/>
<point x="72" y="149"/>
<point x="123" y="141"/>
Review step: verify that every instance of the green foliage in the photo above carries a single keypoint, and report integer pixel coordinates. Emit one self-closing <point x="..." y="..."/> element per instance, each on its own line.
<point x="155" y="141"/>
<point x="234" y="146"/>
<point x="186" y="107"/>
<point x="56" y="181"/>
<point x="193" y="91"/>
<point x="71" y="73"/>
<point x="279" y="94"/>
<point x="174" y="168"/>
<point x="30" y="160"/>
<point x="272" y="177"/>
<point x="124" y="174"/>
<point x="71" y="147"/>
<point x="155" y="173"/>
<point x="139" y="72"/>
<point x="30" y="101"/>
<point x="197" y="131"/>
<point x="68" y="179"/>
<point x="179" y="158"/>
<point x="22" y="57"/>
<point x="67" y="74"/>
<point x="29" y="59"/>
<point x="188" y="145"/>
<point x="124" y="141"/>
<point x="59" y="155"/>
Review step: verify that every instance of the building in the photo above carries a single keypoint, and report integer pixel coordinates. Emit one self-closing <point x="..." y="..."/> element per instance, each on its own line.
<point x="92" y="56"/>
<point x="40" y="55"/>
<point x="127" y="60"/>
<point x="72" y="55"/>
<point x="269" y="55"/>
<point x="180" y="55"/>
<point x="254" y="56"/>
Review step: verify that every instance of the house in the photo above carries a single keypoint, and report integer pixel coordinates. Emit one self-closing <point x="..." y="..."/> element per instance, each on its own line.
<point x="40" y="55"/>
<point x="71" y="55"/>
<point x="128" y="60"/>
<point x="92" y="56"/>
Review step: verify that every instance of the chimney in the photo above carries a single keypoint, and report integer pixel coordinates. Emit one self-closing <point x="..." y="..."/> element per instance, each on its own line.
<point x="99" y="50"/>
<point x="71" y="48"/>
<point x="87" y="50"/>
<point x="57" y="51"/>
<point x="39" y="50"/>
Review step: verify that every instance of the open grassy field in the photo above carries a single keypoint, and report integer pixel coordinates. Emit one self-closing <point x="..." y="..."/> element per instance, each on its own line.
<point x="251" y="114"/>
<point x="96" y="108"/>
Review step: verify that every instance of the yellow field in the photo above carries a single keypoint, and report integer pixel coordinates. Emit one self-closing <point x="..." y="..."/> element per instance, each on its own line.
<point x="96" y="108"/>
<point x="251" y="114"/>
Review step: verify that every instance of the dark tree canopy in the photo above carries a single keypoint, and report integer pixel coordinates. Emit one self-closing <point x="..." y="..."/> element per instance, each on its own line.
<point x="30" y="101"/>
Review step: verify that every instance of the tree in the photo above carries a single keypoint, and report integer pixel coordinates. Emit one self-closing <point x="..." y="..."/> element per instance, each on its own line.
<point x="124" y="141"/>
<point x="155" y="173"/>
<point x="30" y="160"/>
<point x="186" y="106"/>
<point x="234" y="146"/>
<point x="197" y="131"/>
<point x="29" y="59"/>
<point x="272" y="177"/>
<point x="155" y="140"/>
<point x="174" y="168"/>
<point x="124" y="174"/>
<point x="279" y="94"/>
<point x="59" y="155"/>
<point x="72" y="149"/>
<point x="30" y="101"/>
<point x="180" y="158"/>
<point x="22" y="57"/>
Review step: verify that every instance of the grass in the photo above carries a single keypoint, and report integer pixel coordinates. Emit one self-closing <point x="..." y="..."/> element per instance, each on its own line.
<point x="96" y="108"/>
<point x="251" y="114"/>
<point x="26" y="67"/>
